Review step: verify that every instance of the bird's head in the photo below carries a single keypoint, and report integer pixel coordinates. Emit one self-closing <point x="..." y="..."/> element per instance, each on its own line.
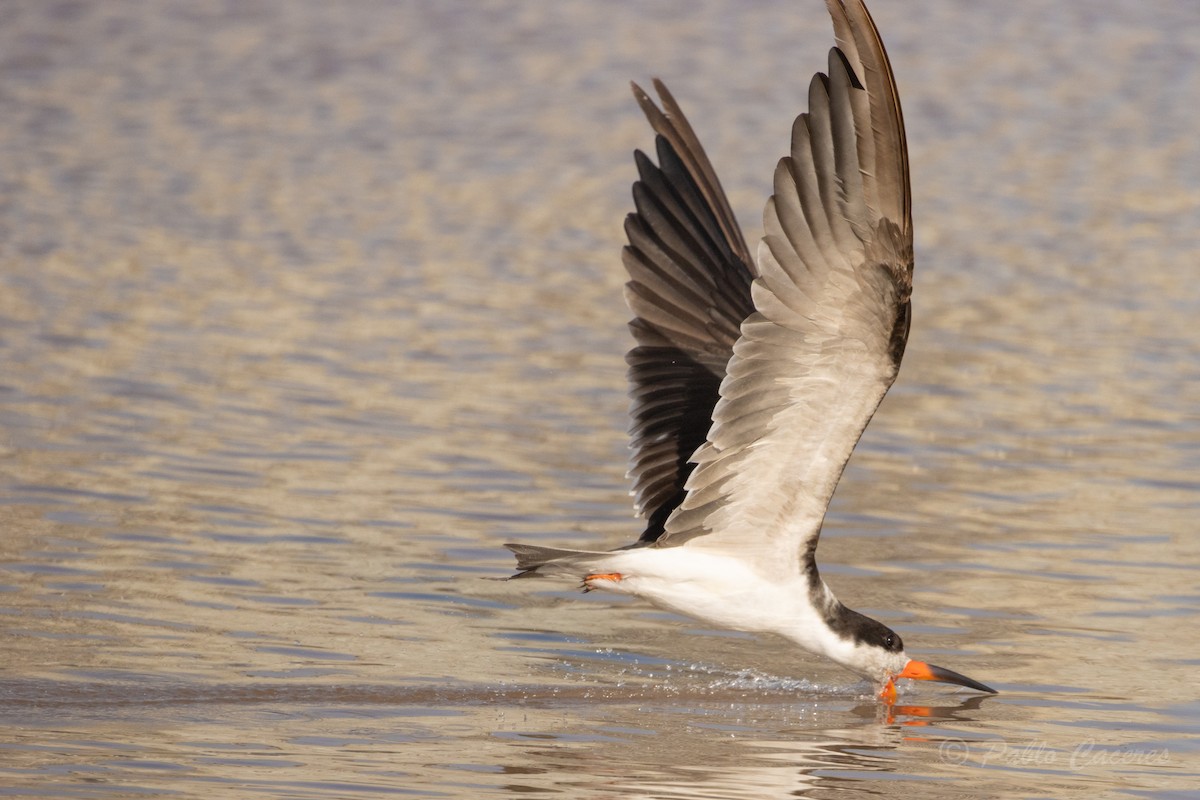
<point x="875" y="651"/>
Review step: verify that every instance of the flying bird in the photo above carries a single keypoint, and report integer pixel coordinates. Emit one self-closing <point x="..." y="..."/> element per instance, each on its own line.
<point x="753" y="378"/>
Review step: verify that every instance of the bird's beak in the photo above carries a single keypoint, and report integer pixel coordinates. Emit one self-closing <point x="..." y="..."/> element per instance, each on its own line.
<point x="919" y="670"/>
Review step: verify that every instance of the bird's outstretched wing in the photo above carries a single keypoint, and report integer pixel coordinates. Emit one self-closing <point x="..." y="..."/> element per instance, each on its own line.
<point x="689" y="289"/>
<point x="830" y="319"/>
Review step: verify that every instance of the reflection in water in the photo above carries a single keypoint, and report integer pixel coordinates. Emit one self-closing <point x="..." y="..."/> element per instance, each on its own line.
<point x="704" y="739"/>
<point x="305" y="309"/>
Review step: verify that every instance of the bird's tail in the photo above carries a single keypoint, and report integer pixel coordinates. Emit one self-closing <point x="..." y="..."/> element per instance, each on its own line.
<point x="535" y="561"/>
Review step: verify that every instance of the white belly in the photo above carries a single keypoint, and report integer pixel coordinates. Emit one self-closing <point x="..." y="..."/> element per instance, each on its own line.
<point x="718" y="589"/>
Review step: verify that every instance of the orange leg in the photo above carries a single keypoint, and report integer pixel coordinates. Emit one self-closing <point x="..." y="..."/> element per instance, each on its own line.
<point x="599" y="576"/>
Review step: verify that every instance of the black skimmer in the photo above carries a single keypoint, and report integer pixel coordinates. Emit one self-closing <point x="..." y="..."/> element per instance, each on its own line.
<point x="753" y="379"/>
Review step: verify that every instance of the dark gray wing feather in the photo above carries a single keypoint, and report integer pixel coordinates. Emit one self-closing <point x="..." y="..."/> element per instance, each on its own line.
<point x="689" y="290"/>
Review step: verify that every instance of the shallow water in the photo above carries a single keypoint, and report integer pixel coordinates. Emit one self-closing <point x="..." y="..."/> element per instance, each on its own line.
<point x="305" y="310"/>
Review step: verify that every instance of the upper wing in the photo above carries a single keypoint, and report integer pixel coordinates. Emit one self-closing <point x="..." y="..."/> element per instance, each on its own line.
<point x="832" y="312"/>
<point x="689" y="289"/>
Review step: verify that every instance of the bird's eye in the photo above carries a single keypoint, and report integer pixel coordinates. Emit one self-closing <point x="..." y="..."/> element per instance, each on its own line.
<point x="889" y="641"/>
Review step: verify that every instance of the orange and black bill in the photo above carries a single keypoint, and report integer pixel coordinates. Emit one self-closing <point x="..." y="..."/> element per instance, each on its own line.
<point x="919" y="670"/>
